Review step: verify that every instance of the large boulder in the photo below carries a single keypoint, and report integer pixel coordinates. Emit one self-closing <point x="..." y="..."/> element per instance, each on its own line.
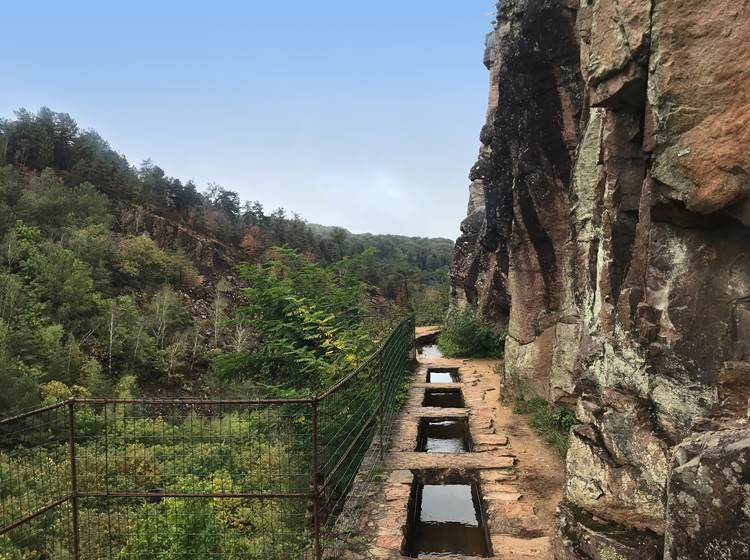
<point x="708" y="509"/>
<point x="579" y="536"/>
<point x="616" y="464"/>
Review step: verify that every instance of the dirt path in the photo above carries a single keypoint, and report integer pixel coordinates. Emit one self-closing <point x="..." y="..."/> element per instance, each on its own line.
<point x="541" y="472"/>
<point x="520" y="477"/>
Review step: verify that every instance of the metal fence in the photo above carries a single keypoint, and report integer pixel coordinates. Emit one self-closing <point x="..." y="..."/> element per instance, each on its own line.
<point x="141" y="479"/>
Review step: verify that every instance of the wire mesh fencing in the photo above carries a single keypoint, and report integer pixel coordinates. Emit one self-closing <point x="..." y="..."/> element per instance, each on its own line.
<point x="142" y="479"/>
<point x="355" y="419"/>
<point x="35" y="484"/>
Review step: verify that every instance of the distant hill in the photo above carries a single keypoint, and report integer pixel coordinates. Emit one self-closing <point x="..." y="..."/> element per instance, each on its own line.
<point x="115" y="274"/>
<point x="322" y="230"/>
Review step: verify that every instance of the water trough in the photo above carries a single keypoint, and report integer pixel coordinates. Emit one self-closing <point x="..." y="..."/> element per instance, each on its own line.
<point x="443" y="375"/>
<point x="443" y="435"/>
<point x="446" y="517"/>
<point x="443" y="398"/>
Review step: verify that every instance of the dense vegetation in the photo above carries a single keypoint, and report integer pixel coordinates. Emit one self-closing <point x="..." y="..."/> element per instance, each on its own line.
<point x="81" y="307"/>
<point x="87" y="305"/>
<point x="467" y="335"/>
<point x="33" y="142"/>
<point x="181" y="453"/>
<point x="300" y="328"/>
<point x="309" y="323"/>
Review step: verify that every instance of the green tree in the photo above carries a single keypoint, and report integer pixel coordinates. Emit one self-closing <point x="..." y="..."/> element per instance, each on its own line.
<point x="93" y="245"/>
<point x="127" y="337"/>
<point x="20" y="382"/>
<point x="168" y="317"/>
<point x="141" y="263"/>
<point x="52" y="207"/>
<point x="298" y="317"/>
<point x="64" y="287"/>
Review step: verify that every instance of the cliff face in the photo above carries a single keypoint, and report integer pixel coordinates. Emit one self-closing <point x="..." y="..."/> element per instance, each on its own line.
<point x="207" y="253"/>
<point x="609" y="228"/>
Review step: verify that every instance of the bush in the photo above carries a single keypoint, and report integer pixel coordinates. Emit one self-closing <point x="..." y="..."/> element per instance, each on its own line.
<point x="465" y="335"/>
<point x="298" y="311"/>
<point x="551" y="422"/>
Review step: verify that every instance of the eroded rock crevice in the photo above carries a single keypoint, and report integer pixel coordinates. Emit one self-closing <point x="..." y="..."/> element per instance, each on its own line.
<point x="608" y="229"/>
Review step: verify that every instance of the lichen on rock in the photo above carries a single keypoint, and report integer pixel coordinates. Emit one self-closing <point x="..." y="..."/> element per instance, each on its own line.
<point x="608" y="230"/>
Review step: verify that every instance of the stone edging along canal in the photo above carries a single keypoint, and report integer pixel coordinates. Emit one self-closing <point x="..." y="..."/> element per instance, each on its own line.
<point x="512" y="527"/>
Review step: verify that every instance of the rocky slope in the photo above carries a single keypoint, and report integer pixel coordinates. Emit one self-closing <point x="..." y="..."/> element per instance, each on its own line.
<point x="207" y="253"/>
<point x="609" y="228"/>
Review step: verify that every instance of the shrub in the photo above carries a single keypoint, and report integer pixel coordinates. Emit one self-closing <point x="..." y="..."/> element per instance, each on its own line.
<point x="550" y="421"/>
<point x="466" y="335"/>
<point x="297" y="311"/>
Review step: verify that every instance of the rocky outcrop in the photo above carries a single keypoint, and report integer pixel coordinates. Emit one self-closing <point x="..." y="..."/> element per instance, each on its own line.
<point x="207" y="253"/>
<point x="580" y="535"/>
<point x="518" y="206"/>
<point x="617" y="466"/>
<point x="709" y="497"/>
<point x="699" y="95"/>
<point x="609" y="230"/>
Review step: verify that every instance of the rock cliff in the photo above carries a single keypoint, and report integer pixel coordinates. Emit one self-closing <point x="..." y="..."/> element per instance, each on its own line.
<point x="207" y="253"/>
<point x="608" y="228"/>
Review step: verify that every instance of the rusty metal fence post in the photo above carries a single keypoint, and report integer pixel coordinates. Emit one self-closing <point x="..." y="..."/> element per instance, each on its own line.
<point x="73" y="477"/>
<point x="314" y="479"/>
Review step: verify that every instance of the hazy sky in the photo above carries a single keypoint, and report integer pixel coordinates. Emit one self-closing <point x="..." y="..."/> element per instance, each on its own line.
<point x="359" y="114"/>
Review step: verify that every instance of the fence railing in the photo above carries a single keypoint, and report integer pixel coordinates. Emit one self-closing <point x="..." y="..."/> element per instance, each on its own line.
<point x="137" y="479"/>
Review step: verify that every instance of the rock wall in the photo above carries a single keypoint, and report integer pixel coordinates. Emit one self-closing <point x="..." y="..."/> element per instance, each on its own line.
<point x="207" y="253"/>
<point x="609" y="228"/>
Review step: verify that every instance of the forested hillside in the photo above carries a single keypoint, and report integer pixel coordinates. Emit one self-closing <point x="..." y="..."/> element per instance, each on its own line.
<point x="117" y="280"/>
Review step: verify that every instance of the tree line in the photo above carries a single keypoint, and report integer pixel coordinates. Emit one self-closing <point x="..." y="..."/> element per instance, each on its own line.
<point x="32" y="142"/>
<point x="88" y="309"/>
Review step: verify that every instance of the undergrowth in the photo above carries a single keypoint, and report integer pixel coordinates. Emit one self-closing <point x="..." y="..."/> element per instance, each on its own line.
<point x="466" y="335"/>
<point x="550" y="421"/>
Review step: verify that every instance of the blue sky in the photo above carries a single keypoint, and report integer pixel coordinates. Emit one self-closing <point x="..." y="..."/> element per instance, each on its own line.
<point x="359" y="114"/>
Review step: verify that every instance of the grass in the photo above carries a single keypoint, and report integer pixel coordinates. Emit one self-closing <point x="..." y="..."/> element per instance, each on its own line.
<point x="550" y="421"/>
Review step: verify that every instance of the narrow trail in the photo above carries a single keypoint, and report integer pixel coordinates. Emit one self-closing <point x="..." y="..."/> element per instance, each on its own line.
<point x="519" y="478"/>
